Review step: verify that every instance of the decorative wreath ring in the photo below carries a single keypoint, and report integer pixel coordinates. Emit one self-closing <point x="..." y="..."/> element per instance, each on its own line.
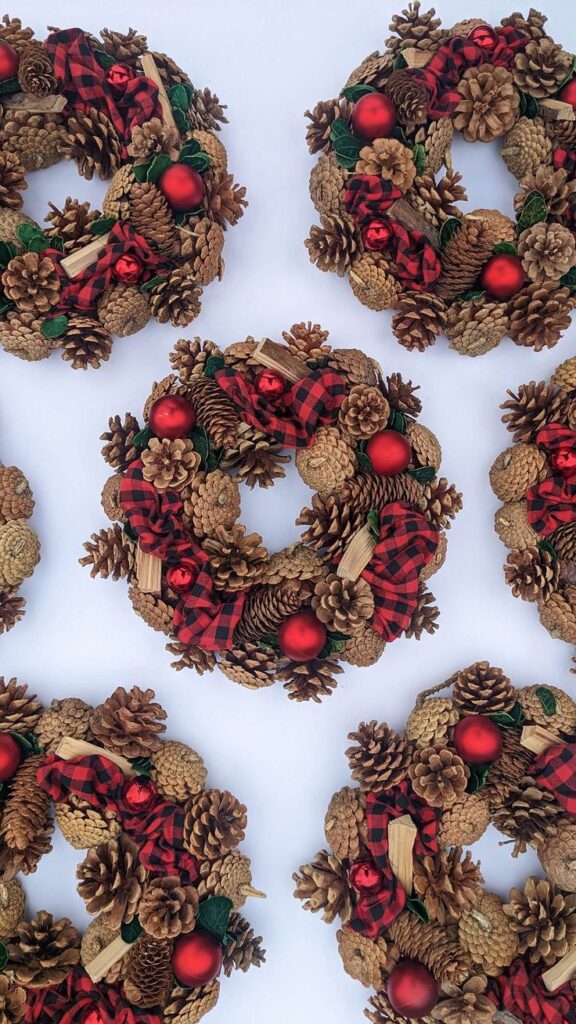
<point x="124" y="112"/>
<point x="536" y="480"/>
<point x="397" y="231"/>
<point x="417" y="925"/>
<point x="19" y="545"/>
<point x="373" y="536"/>
<point x="162" y="869"/>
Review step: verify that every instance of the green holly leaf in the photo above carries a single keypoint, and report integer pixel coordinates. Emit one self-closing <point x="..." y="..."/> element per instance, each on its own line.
<point x="3" y="956"/>
<point x="182" y="121"/>
<point x="159" y="164"/>
<point x="38" y="243"/>
<point x="26" y="233"/>
<point x="547" y="700"/>
<point x="419" y="158"/>
<point x="268" y="643"/>
<point x="478" y="777"/>
<point x="214" y="915"/>
<point x="142" y="765"/>
<point x="104" y="59"/>
<point x="212" y="365"/>
<point x="130" y="932"/>
<point x="363" y="460"/>
<point x="399" y="134"/>
<point x="102" y="225"/>
<point x="417" y="907"/>
<point x="569" y="75"/>
<point x="548" y="547"/>
<point x="54" y="326"/>
<point x="190" y="148"/>
<point x="449" y="228"/>
<point x="56" y="243"/>
<point x="345" y="145"/>
<point x="399" y="62"/>
<point x="505" y="247"/>
<point x="355" y="92"/>
<point x="569" y="280"/>
<point x="373" y="522"/>
<point x="27" y="741"/>
<point x="528" y="106"/>
<point x="178" y="97"/>
<point x="397" y="421"/>
<point x="7" y="252"/>
<point x="471" y="294"/>
<point x="140" y="171"/>
<point x="152" y="282"/>
<point x="534" y="210"/>
<point x="142" y="438"/>
<point x="5" y="304"/>
<point x="337" y="641"/>
<point x="423" y="474"/>
<point x="199" y="162"/>
<point x="201" y="444"/>
<point x="509" y="719"/>
<point x="10" y="86"/>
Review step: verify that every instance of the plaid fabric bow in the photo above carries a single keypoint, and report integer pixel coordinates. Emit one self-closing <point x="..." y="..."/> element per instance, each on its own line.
<point x="553" y="502"/>
<point x="522" y="993"/>
<point x="378" y="910"/>
<point x="368" y="196"/>
<point x="83" y="82"/>
<point x="564" y="159"/>
<point x="555" y="770"/>
<point x="78" y="996"/>
<point x="311" y="402"/>
<point x="158" y="832"/>
<point x="417" y="262"/>
<point x="407" y="543"/>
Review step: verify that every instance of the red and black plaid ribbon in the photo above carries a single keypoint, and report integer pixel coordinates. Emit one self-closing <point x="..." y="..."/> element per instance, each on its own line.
<point x="83" y="82"/>
<point x="555" y="770"/>
<point x="408" y="542"/>
<point x="552" y="503"/>
<point x="368" y="196"/>
<point x="74" y="1000"/>
<point x="375" y="911"/>
<point x="158" y="832"/>
<point x="311" y="402"/>
<point x="564" y="159"/>
<point x="521" y="991"/>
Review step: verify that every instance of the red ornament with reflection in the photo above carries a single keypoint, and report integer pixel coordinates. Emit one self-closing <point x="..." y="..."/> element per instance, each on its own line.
<point x="118" y="76"/>
<point x="10" y="756"/>
<point x="412" y="990"/>
<point x="568" y="93"/>
<point x="180" y="578"/>
<point x="503" y="276"/>
<point x="171" y="416"/>
<point x="377" y="235"/>
<point x="478" y="739"/>
<point x="182" y="187"/>
<point x="9" y="61"/>
<point x="196" y="958"/>
<point x="374" y="116"/>
<point x="139" y="794"/>
<point x="389" y="452"/>
<point x="365" y="877"/>
<point x="484" y="37"/>
<point x="302" y="636"/>
<point x="270" y="384"/>
<point x="128" y="269"/>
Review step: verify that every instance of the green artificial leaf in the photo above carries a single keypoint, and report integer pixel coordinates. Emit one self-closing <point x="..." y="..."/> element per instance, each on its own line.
<point x="471" y="294"/>
<point x="142" y="765"/>
<point x="104" y="59"/>
<point x="201" y="444"/>
<point x="534" y="210"/>
<point x="56" y="243"/>
<point x="373" y="521"/>
<point x="317" y="364"/>
<point x="345" y="145"/>
<point x="337" y="641"/>
<point x="569" y="280"/>
<point x="399" y="62"/>
<point x="183" y="217"/>
<point x="528" y="105"/>
<point x="102" y="225"/>
<point x="397" y="421"/>
<point x="505" y="247"/>
<point x="142" y="438"/>
<point x="449" y="228"/>
<point x="5" y="305"/>
<point x="182" y="122"/>
<point x="26" y="233"/>
<point x="569" y="75"/>
<point x="9" y="86"/>
<point x="509" y="719"/>
<point x="423" y="474"/>
<point x="38" y="243"/>
<point x="152" y="282"/>
<point x="27" y="741"/>
<point x="199" y="162"/>
<point x="547" y="700"/>
<point x="159" y="164"/>
<point x="355" y="92"/>
<point x="190" y="148"/>
<point x="399" y="134"/>
<point x="363" y="460"/>
<point x="7" y="252"/>
<point x="547" y="546"/>
<point x="212" y="365"/>
<point x="140" y="171"/>
<point x="417" y="907"/>
<point x="130" y="932"/>
<point x="214" y="915"/>
<point x="268" y="643"/>
<point x="3" y="956"/>
<point x="178" y="98"/>
<point x="478" y="777"/>
<point x="190" y="91"/>
<point x="419" y="158"/>
<point x="54" y="326"/>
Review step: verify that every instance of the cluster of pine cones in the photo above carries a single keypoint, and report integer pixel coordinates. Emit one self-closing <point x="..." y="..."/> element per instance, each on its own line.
<point x="538" y="569"/>
<point x="19" y="545"/>
<point x="189" y="246"/>
<point x="464" y="935"/>
<point x="114" y="885"/>
<point x="496" y="102"/>
<point x="281" y="583"/>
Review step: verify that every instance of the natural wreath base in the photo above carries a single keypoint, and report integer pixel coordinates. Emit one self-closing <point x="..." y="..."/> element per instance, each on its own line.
<point x="19" y="545"/>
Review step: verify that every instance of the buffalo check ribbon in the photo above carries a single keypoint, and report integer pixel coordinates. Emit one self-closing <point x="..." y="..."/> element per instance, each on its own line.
<point x="521" y="991"/>
<point x="77" y="997"/>
<point x="552" y="503"/>
<point x="564" y="159"/>
<point x="83" y="82"/>
<point x="368" y="196"/>
<point x="311" y="402"/>
<point x="555" y="770"/>
<point x="158" y="831"/>
<point x="408" y="542"/>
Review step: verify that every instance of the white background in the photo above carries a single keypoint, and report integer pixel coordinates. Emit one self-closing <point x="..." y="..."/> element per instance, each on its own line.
<point x="269" y="62"/>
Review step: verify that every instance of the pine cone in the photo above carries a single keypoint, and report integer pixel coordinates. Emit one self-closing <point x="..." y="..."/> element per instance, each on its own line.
<point x="188" y="1006"/>
<point x="380" y="757"/>
<point x="155" y="612"/>
<point x="353" y="365"/>
<point x="426" y="450"/>
<point x="264" y="609"/>
<point x="531" y="574"/>
<point x="116" y="201"/>
<point x="530" y="815"/>
<point x="563" y="540"/>
<point x="12" y="180"/>
<point x="204" y="250"/>
<point x="539" y="313"/>
<point x="191" y="657"/>
<point x="31" y="282"/>
<point x="214" y="824"/>
<point x="12" y="609"/>
<point x="465" y="1005"/>
<point x="334" y="245"/>
<point x="373" y="70"/>
<point x="224" y="200"/>
<point x="447" y="883"/>
<point x="381" y="1011"/>
<point x="19" y="552"/>
<point x="111" y="881"/>
<point x="71" y="223"/>
<point x="12" y="32"/>
<point x="179" y="772"/>
<point x="149" y="976"/>
<point x="307" y="341"/>
<point x="215" y="149"/>
<point x="431" y="945"/>
<point x="526" y="147"/>
<point x="109" y="553"/>
<point x="19" y="710"/>
<point x="119" y="451"/>
<point x="438" y="775"/>
<point x="321" y="119"/>
<point x="323" y="885"/>
<point x="436" y="137"/>
<point x="544" y="920"/>
<point x="35" y="139"/>
<point x="510" y="768"/>
<point x="206" y="110"/>
<point x="168" y="908"/>
<point x="512" y="526"/>
<point x="211" y="500"/>
<point x="429" y="722"/>
<point x="328" y="461"/>
<point x="123" y="310"/>
<point x="531" y="408"/>
<point x="16" y="501"/>
<point x="436" y="200"/>
<point x="475" y="326"/>
<point x="215" y="412"/>
<point x="327" y="183"/>
<point x="425" y="615"/>
<point x="541" y="67"/>
<point x="20" y="335"/>
<point x="310" y="680"/>
<point x="364" y="959"/>
<point x="44" y="951"/>
<point x="240" y="356"/>
<point x="563" y="717"/>
<point x="170" y="464"/>
<point x="86" y="343"/>
<point x="154" y="136"/>
<point x="364" y="411"/>
<point x="343" y="605"/>
<point x="83" y="826"/>
<point x="504" y="228"/>
<point x="229" y="876"/>
<point x="558" y="616"/>
<point x="482" y="689"/>
<point x="244" y="950"/>
<point x="373" y="283"/>
<point x="91" y="140"/>
<point x="389" y="159"/>
<point x="129" y="722"/>
<point x="418" y="319"/>
<point x="516" y="469"/>
<point x="150" y="216"/>
<point x="442" y="502"/>
<point x="35" y="71"/>
<point x="547" y="251"/>
<point x="464" y="256"/>
<point x="249" y="665"/>
<point x="96" y="938"/>
<point x="68" y="717"/>
<point x="344" y="824"/>
<point x="558" y="856"/>
<point x="556" y="187"/>
<point x="485" y="932"/>
<point x="465" y="821"/>
<point x="124" y="47"/>
<point x="410" y="97"/>
<point x="255" y="457"/>
<point x="402" y="395"/>
<point x="188" y="358"/>
<point x="531" y="26"/>
<point x="295" y="562"/>
<point x="412" y="28"/>
<point x="176" y="299"/>
<point x="235" y="557"/>
<point x="12" y="904"/>
<point x="489" y="104"/>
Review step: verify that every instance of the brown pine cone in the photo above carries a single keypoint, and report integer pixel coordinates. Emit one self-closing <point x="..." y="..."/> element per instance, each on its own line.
<point x="562" y="719"/>
<point x="482" y="689"/>
<point x="68" y="717"/>
<point x="170" y="464"/>
<point x="109" y="553"/>
<point x="123" y="310"/>
<point x="563" y="540"/>
<point x="556" y="187"/>
<point x="561" y="133"/>
<point x="119" y="450"/>
<point x="111" y="880"/>
<point x="125" y="47"/>
<point x="12" y="180"/>
<point x="244" y="949"/>
<point x="425" y="615"/>
<point x="539" y="313"/>
<point x="526" y="147"/>
<point x="381" y="1011"/>
<point x="464" y="256"/>
<point x="16" y="501"/>
<point x="504" y="228"/>
<point x="91" y="140"/>
<point x="532" y="573"/>
<point x="438" y="775"/>
<point x="414" y="28"/>
<point x="12" y="31"/>
<point x="129" y="722"/>
<point x="343" y="605"/>
<point x="436" y="137"/>
<point x="373" y="282"/>
<point x="249" y="664"/>
<point x="176" y="299"/>
<point x="310" y="680"/>
<point x="329" y="460"/>
<point x="321" y="119"/>
<point x="529" y="816"/>
<point x="465" y="1005"/>
<point x="240" y="356"/>
<point x="20" y="335"/>
<point x="154" y="136"/>
<point x="364" y="959"/>
<point x="214" y="824"/>
<point x="547" y="251"/>
<point x="510" y="768"/>
<point x="557" y="855"/>
<point x="116" y="201"/>
<point x="418" y="319"/>
<point x="257" y="460"/>
<point x="532" y="407"/>
<point x="35" y="70"/>
<point x="19" y="710"/>
<point x="353" y="365"/>
<point x="203" y="249"/>
<point x="410" y="97"/>
<point x="436" y="200"/>
<point x="334" y="245"/>
<point x="380" y="757"/>
<point x="188" y="358"/>
<point x="516" y="469"/>
<point x="532" y="25"/>
<point x="215" y="412"/>
<point x="96" y="938"/>
<point x="475" y="326"/>
<point x="188" y="1006"/>
<point x="431" y="945"/>
<point x="179" y="772"/>
<point x="168" y="908"/>
<point x="541" y="67"/>
<point x="44" y="951"/>
<point x="71" y="223"/>
<point x="364" y="411"/>
<point x="149" y="976"/>
<point x="327" y="183"/>
<point x="84" y="826"/>
<point x="323" y="885"/>
<point x="465" y="821"/>
<point x="206" y="110"/>
<point x="215" y="149"/>
<point x="110" y="498"/>
<point x="485" y="932"/>
<point x="295" y="562"/>
<point x="235" y="557"/>
<point x="151" y="217"/>
<point x="512" y="526"/>
<point x="442" y="502"/>
<point x="389" y="159"/>
<point x="224" y="200"/>
<point x="12" y="609"/>
<point x="307" y="341"/>
<point x="426" y="450"/>
<point x="373" y="70"/>
<point x="489" y="104"/>
<point x="344" y="823"/>
<point x="558" y="615"/>
<point x="26" y="810"/>
<point x="402" y="395"/>
<point x="543" y="918"/>
<point x="34" y="138"/>
<point x="191" y="657"/>
<point x="12" y="904"/>
<point x="86" y="343"/>
<point x="447" y="883"/>
<point x="19" y="553"/>
<point x="31" y="282"/>
<point x="264" y="609"/>
<point x="429" y="722"/>
<point x="229" y="876"/>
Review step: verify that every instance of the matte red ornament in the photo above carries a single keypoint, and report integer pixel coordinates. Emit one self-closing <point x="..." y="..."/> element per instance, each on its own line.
<point x="568" y="93"/>
<point x="389" y="452"/>
<point x="302" y="636"/>
<point x="477" y="739"/>
<point x="180" y="578"/>
<point x="564" y="461"/>
<point x="10" y="756"/>
<point x="9" y="61"/>
<point x="365" y="877"/>
<point x="171" y="416"/>
<point x="118" y="76"/>
<point x="503" y="276"/>
<point x="377" y="235"/>
<point x="182" y="186"/>
<point x="196" y="958"/>
<point x="374" y="116"/>
<point x="270" y="384"/>
<point x="484" y="37"/>
<point x="128" y="269"/>
<point x="139" y="794"/>
<point x="412" y="990"/>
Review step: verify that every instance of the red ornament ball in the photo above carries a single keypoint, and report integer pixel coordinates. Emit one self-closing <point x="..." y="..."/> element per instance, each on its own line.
<point x="139" y="794"/>
<point x="478" y="739"/>
<point x="128" y="269"/>
<point x="374" y="116"/>
<point x="411" y="989"/>
<point x="180" y="578"/>
<point x="568" y="93"/>
<point x="503" y="276"/>
<point x="10" y="756"/>
<point x="564" y="461"/>
<point x="9" y="61"/>
<point x="377" y="235"/>
<point x="270" y="384"/>
<point x="196" y="958"/>
<point x="484" y="37"/>
<point x="118" y="76"/>
<point x="302" y="636"/>
<point x="171" y="416"/>
<point x="389" y="452"/>
<point x="182" y="186"/>
<point x="365" y="877"/>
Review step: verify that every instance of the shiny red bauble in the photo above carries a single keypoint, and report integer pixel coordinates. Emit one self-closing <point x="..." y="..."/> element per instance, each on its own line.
<point x="302" y="636"/>
<point x="374" y="116"/>
<point x="270" y="384"/>
<point x="118" y="76"/>
<point x="365" y="877"/>
<point x="180" y="578"/>
<point x="478" y="739"/>
<point x="171" y="416"/>
<point x="128" y="269"/>
<point x="182" y="187"/>
<point x="196" y="958"/>
<point x="412" y="990"/>
<point x="377" y="235"/>
<point x="8" y="61"/>
<point x="564" y="461"/>
<point x="484" y="37"/>
<point x="389" y="452"/>
<point x="568" y="93"/>
<point x="503" y="276"/>
<point x="10" y="756"/>
<point x="139" y="794"/>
